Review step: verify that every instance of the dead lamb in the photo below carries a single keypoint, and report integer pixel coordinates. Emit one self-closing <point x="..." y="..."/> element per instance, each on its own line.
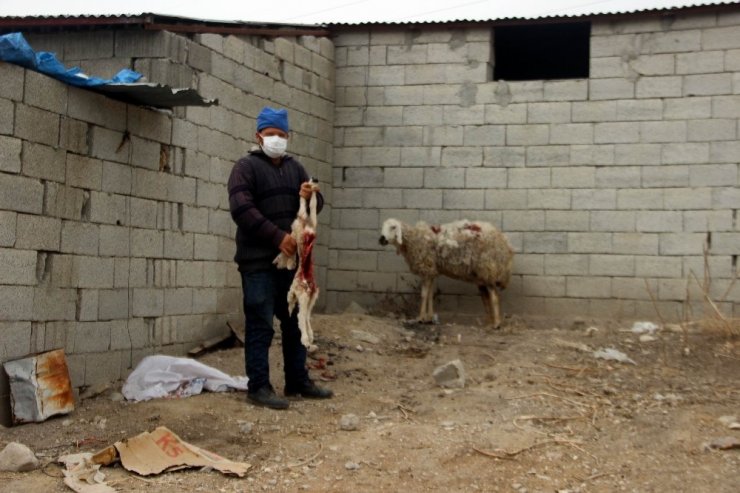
<point x="472" y="251"/>
<point x="303" y="290"/>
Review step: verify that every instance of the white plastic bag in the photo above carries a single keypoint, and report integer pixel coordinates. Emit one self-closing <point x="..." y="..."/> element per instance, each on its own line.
<point x="167" y="376"/>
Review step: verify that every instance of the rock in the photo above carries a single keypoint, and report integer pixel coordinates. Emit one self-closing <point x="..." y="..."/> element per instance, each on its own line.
<point x="359" y="348"/>
<point x="355" y="308"/>
<point x="363" y="336"/>
<point x="16" y="457"/>
<point x="349" y="422"/>
<point x="245" y="426"/>
<point x="351" y="466"/>
<point x="116" y="397"/>
<point x="450" y="375"/>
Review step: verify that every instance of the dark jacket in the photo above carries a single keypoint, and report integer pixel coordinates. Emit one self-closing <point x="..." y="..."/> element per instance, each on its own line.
<point x="263" y="198"/>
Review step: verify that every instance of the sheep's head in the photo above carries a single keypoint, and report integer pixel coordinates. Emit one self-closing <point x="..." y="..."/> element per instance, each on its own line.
<point x="391" y="232"/>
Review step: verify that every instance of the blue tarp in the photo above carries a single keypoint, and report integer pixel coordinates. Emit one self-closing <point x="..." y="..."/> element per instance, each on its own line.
<point x="15" y="49"/>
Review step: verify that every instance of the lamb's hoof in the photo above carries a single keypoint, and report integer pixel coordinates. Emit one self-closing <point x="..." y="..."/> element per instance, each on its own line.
<point x="311" y="348"/>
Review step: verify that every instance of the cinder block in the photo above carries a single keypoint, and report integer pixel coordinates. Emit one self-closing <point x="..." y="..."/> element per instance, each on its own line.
<point x="420" y="199"/>
<point x="703" y="62"/>
<point x="529" y="178"/>
<point x="148" y="302"/>
<point x="116" y="178"/>
<point x="668" y="131"/>
<point x="689" y="153"/>
<point x="21" y="194"/>
<point x="618" y="177"/>
<point x="700" y="85"/>
<point x="381" y="198"/>
<point x="54" y="304"/>
<point x="469" y="114"/>
<point x="178" y="301"/>
<point x="687" y="108"/>
<point x="10" y="154"/>
<point x="572" y="133"/>
<point x="398" y="178"/>
<point x="695" y="221"/>
<point x="659" y="87"/>
<point x="38" y="232"/>
<point x="611" y="265"/>
<point x="565" y="265"/>
<point x="8" y="228"/>
<point x="87" y="305"/>
<point x="96" y="108"/>
<point x="589" y="242"/>
<point x="527" y="134"/>
<point x="548" y="113"/>
<point x="150" y="124"/>
<point x="189" y="274"/>
<point x="594" y="111"/>
<point x="80" y="238"/>
<point x="178" y="245"/>
<point x="588" y="287"/>
<point x="6" y="124"/>
<point x="546" y="199"/>
<point x="36" y="125"/>
<point x="613" y="221"/>
<point x="552" y="155"/>
<point x="16" y="303"/>
<point x="523" y="220"/>
<point x="592" y="199"/>
<point x="19" y="266"/>
<point x="420" y="74"/>
<point x="484" y="178"/>
<point x="682" y="243"/>
<point x="114" y="241"/>
<point x="720" y="38"/>
<point x="574" y="177"/>
<point x="13" y="77"/>
<point x="45" y="92"/>
<point x="616" y="132"/>
<point x="535" y="242"/>
<point x="642" y="154"/>
<point x="712" y="175"/>
<point x="101" y="368"/>
<point x="659" y="221"/>
<point x="359" y="219"/>
<point x="147" y="243"/>
<point x="41" y="161"/>
<point x="109" y="145"/>
<point x="15" y="339"/>
<point x="674" y="41"/>
<point x="567" y="221"/>
<point x="665" y="176"/>
<point x="509" y="114"/>
<point x="635" y="289"/>
<point x="715" y="129"/>
<point x="566" y="90"/>
<point x="149" y="154"/>
<point x="616" y="88"/>
<point x="444" y="178"/>
<point x="639" y="198"/>
<point x="92" y="272"/>
<point x="463" y="199"/>
<point x="376" y="281"/>
<point x="688" y="198"/>
<point x="725" y="243"/>
<point x="462" y="156"/>
<point x="73" y="135"/>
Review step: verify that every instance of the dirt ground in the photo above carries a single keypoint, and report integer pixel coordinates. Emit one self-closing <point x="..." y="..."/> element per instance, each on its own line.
<point x="538" y="413"/>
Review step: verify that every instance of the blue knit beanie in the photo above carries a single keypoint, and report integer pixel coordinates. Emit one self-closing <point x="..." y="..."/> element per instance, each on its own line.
<point x="270" y="117"/>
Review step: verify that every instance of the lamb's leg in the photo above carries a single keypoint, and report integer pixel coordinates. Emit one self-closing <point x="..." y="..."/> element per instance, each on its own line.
<point x="496" y="318"/>
<point x="430" y="300"/>
<point x="312" y="210"/>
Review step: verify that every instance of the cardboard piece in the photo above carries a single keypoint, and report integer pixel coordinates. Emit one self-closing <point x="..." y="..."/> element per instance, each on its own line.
<point x="82" y="474"/>
<point x="161" y="450"/>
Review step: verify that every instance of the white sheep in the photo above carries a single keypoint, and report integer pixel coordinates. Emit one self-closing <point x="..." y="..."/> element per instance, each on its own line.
<point x="473" y="251"/>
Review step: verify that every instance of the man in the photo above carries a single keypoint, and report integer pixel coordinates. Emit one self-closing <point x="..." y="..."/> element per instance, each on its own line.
<point x="264" y="189"/>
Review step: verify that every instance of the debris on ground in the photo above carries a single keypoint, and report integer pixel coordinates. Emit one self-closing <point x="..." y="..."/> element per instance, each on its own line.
<point x="450" y="375"/>
<point x="644" y="328"/>
<point x="349" y="422"/>
<point x="723" y="443"/>
<point x="39" y="387"/>
<point x="730" y="421"/>
<point x="167" y="376"/>
<point x="355" y="308"/>
<point x="611" y="354"/>
<point x="16" y="457"/>
<point x="363" y="336"/>
<point x="82" y="474"/>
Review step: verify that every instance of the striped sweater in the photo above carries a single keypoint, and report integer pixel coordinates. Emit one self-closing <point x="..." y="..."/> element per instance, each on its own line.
<point x="263" y="198"/>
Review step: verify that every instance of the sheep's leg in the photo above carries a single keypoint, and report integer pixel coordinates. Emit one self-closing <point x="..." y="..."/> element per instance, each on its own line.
<point x="423" y="303"/>
<point x="430" y="301"/>
<point x="494" y="301"/>
<point x="312" y="210"/>
<point x="486" y="297"/>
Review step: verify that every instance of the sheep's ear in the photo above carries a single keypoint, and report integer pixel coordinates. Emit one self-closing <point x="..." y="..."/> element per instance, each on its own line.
<point x="399" y="235"/>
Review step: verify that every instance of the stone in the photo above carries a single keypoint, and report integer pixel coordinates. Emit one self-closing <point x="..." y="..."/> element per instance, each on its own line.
<point x="349" y="422"/>
<point x="363" y="336"/>
<point x="450" y="375"/>
<point x="16" y="457"/>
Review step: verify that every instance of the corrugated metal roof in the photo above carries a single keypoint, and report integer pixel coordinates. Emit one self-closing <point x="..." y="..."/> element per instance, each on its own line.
<point x="584" y="12"/>
<point x="152" y="21"/>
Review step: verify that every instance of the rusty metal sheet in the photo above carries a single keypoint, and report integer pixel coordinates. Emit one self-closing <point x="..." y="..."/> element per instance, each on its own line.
<point x="39" y="387"/>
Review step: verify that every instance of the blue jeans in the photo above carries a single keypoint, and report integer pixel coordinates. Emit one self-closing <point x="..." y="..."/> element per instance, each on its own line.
<point x="265" y="297"/>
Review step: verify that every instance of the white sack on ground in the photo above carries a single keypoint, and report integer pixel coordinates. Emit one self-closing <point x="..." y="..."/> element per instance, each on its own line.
<point x="167" y="376"/>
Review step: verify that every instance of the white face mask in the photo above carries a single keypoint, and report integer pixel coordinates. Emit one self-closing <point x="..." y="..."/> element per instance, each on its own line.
<point x="274" y="146"/>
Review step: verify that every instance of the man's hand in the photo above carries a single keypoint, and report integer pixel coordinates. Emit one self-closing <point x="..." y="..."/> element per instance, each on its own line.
<point x="307" y="188"/>
<point x="288" y="246"/>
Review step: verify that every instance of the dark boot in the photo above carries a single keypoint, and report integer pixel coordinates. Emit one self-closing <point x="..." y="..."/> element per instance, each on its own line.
<point x="309" y="390"/>
<point x="265" y="396"/>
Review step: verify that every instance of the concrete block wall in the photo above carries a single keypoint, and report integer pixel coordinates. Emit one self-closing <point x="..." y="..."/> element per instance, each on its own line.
<point x="602" y="184"/>
<point x="115" y="237"/>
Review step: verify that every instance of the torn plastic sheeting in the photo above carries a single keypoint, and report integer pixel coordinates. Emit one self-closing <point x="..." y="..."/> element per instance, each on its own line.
<point x="123" y="86"/>
<point x="167" y="376"/>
